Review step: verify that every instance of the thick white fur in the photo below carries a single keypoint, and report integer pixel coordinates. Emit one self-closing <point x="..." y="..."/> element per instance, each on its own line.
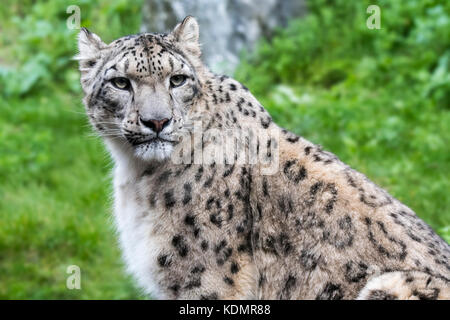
<point x="139" y="246"/>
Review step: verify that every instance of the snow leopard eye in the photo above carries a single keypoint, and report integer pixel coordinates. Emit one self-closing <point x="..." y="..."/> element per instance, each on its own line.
<point x="121" y="83"/>
<point x="177" y="80"/>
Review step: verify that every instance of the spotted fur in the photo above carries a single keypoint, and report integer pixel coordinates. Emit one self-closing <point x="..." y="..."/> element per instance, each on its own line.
<point x="313" y="229"/>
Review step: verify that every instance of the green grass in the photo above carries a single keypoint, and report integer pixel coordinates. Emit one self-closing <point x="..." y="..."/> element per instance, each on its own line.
<point x="55" y="204"/>
<point x="54" y="174"/>
<point x="378" y="99"/>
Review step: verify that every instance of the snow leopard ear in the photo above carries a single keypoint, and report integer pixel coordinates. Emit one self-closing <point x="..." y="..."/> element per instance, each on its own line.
<point x="186" y="34"/>
<point x="89" y="45"/>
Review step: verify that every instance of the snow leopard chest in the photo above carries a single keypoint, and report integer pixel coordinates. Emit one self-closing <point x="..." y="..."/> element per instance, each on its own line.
<point x="139" y="241"/>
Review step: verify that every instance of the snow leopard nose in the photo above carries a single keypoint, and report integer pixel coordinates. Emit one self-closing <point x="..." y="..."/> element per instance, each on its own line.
<point x="156" y="125"/>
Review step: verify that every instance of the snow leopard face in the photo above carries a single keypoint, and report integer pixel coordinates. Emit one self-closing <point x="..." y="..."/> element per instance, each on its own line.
<point x="139" y="89"/>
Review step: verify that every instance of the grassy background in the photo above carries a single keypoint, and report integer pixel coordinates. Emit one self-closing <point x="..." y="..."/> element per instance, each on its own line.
<point x="379" y="99"/>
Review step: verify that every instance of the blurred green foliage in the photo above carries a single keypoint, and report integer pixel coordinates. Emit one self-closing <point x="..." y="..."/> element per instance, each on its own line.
<point x="54" y="174"/>
<point x="379" y="99"/>
<point x="37" y="42"/>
